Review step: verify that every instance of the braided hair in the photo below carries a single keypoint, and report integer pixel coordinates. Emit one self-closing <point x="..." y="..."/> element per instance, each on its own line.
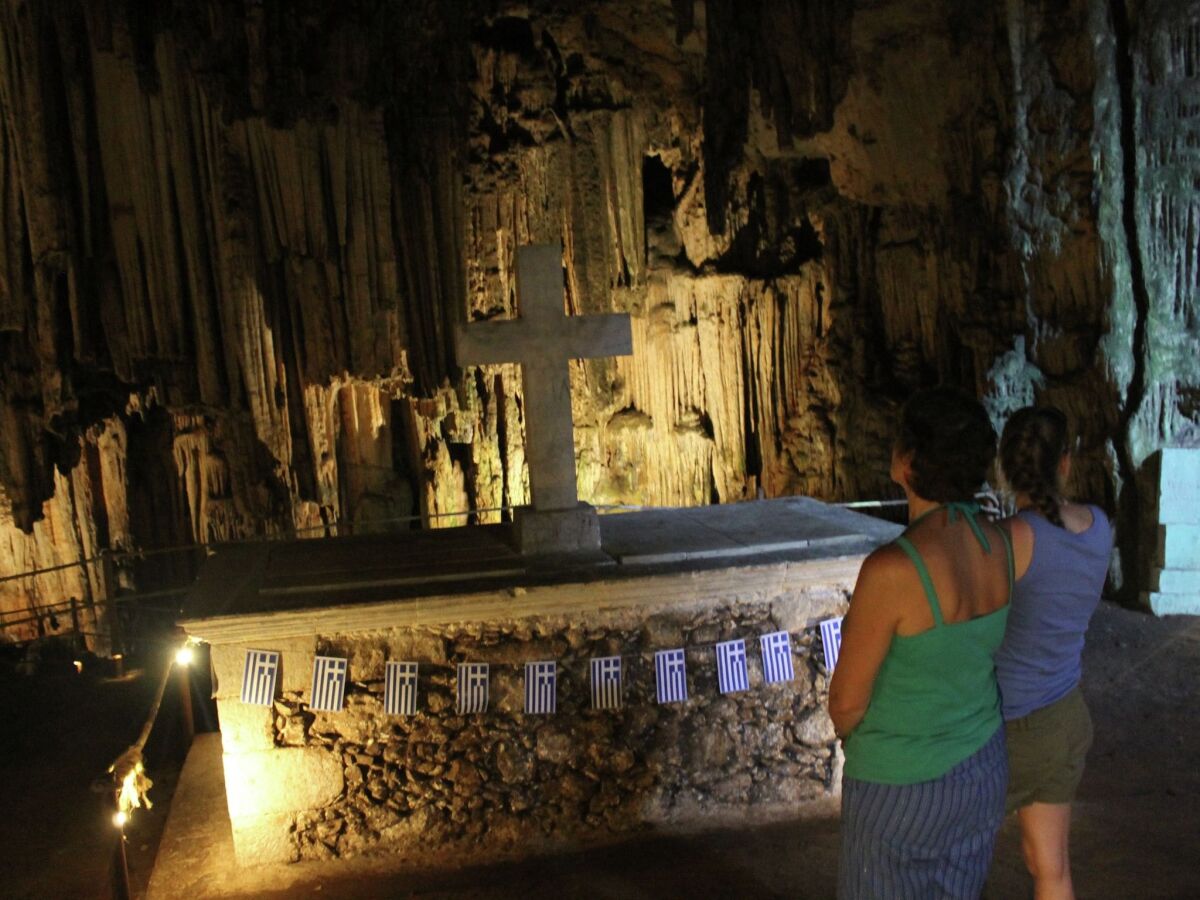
<point x="1033" y="444"/>
<point x="951" y="440"/>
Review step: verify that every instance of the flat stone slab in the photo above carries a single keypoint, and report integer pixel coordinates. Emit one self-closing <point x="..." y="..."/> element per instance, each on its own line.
<point x="1162" y="604"/>
<point x="1176" y="581"/>
<point x="1179" y="546"/>
<point x="427" y="555"/>
<point x="1179" y="485"/>
<point x="195" y="854"/>
<point x="285" y="576"/>
<point x="736" y="530"/>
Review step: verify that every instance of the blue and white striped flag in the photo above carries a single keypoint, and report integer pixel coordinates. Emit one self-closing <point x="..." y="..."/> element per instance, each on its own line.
<point x="400" y="689"/>
<point x="259" y="677"/>
<point x="732" y="675"/>
<point x="777" y="657"/>
<point x="541" y="687"/>
<point x="472" y="688"/>
<point x="328" y="684"/>
<point x="671" y="674"/>
<point x="606" y="682"/>
<point x="831" y="641"/>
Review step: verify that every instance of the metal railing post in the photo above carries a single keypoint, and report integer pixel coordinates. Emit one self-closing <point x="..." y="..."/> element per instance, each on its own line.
<point x="120" y="861"/>
<point x="108" y="569"/>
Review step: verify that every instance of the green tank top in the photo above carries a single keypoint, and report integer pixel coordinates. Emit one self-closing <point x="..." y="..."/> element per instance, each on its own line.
<point x="935" y="699"/>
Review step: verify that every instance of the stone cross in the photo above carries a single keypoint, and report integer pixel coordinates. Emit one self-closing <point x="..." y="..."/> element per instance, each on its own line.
<point x="543" y="339"/>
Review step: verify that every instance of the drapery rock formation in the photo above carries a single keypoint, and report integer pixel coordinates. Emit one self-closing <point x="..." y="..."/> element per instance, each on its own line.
<point x="235" y="239"/>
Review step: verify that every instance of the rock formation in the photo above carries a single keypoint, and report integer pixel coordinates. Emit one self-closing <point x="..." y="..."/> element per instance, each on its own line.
<point x="234" y="239"/>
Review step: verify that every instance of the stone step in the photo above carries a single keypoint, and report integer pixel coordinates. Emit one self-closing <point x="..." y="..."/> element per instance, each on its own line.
<point x="1162" y="604"/>
<point x="1179" y="485"/>
<point x="1176" y="581"/>
<point x="1179" y="546"/>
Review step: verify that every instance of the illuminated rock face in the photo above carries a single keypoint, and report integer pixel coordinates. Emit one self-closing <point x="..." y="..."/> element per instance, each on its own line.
<point x="232" y="250"/>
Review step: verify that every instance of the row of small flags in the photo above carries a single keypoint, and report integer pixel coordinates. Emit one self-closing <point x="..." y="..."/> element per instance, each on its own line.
<point x="541" y="677"/>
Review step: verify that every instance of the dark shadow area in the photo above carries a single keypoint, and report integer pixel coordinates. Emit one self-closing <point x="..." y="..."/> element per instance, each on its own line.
<point x="63" y="728"/>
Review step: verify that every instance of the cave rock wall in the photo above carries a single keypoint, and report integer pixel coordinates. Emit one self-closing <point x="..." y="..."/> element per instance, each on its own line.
<point x="234" y="243"/>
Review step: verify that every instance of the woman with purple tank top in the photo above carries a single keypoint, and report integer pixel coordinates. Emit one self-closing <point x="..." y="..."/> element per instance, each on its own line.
<point x="1061" y="552"/>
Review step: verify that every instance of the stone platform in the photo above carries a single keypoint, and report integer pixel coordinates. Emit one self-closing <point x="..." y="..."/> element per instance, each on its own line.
<point x="1175" y="574"/>
<point x="303" y="784"/>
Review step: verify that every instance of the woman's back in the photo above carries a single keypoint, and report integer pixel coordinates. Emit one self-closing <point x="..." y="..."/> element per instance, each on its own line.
<point x="914" y="695"/>
<point x="968" y="570"/>
<point x="935" y="699"/>
<point x="1053" y="602"/>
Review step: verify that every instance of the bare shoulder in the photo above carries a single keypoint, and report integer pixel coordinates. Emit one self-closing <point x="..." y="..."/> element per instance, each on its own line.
<point x="1021" y="533"/>
<point x="1018" y="529"/>
<point x="882" y="571"/>
<point x="884" y="562"/>
<point x="883" y="578"/>
<point x="1015" y="526"/>
<point x="1077" y="517"/>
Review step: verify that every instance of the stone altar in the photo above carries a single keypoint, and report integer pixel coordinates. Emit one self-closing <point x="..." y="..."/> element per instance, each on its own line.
<point x="303" y="784"/>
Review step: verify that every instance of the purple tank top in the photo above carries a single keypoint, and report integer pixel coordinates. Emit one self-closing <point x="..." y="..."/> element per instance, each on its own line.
<point x="1052" y="603"/>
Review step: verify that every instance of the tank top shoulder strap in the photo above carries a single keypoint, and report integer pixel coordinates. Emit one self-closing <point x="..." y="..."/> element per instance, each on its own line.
<point x="930" y="594"/>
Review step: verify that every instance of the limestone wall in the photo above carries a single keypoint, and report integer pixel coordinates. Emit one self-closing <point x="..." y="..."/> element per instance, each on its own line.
<point x="237" y="240"/>
<point x="304" y="784"/>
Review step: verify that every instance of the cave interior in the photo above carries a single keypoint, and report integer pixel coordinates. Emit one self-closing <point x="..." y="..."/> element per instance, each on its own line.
<point x="237" y="240"/>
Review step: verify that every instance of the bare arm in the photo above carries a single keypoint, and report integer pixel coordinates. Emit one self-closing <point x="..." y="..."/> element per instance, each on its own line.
<point x="867" y="632"/>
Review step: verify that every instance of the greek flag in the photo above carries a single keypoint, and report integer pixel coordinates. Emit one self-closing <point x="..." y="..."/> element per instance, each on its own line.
<point x="541" y="682"/>
<point x="732" y="675"/>
<point x="777" y="657"/>
<point x="259" y="677"/>
<point x="472" y="688"/>
<point x="328" y="684"/>
<point x="606" y="682"/>
<point x="831" y="641"/>
<point x="670" y="671"/>
<point x="400" y="689"/>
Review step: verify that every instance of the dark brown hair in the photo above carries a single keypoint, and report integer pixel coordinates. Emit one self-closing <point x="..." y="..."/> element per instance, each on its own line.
<point x="952" y="443"/>
<point x="1034" y="441"/>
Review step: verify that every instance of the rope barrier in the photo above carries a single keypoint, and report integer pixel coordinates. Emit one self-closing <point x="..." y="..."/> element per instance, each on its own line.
<point x="576" y="663"/>
<point x="33" y="572"/>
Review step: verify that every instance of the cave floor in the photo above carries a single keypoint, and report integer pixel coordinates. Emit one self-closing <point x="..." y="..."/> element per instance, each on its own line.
<point x="1137" y="816"/>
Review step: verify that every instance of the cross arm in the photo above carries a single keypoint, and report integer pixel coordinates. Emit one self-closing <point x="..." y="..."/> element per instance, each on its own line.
<point x="587" y="337"/>
<point x="491" y="343"/>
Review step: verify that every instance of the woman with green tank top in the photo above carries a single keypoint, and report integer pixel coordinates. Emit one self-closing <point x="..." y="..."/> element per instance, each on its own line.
<point x="914" y="696"/>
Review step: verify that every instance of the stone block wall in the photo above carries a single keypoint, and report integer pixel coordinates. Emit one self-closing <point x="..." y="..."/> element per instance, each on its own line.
<point x="311" y="785"/>
<point x="1175" y="577"/>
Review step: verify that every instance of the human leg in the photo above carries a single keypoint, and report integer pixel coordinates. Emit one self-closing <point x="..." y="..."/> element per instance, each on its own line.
<point x="1045" y="831"/>
<point x="1047" y="751"/>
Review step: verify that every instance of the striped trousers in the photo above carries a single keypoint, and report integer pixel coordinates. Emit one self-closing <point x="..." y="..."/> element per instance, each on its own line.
<point x="928" y="840"/>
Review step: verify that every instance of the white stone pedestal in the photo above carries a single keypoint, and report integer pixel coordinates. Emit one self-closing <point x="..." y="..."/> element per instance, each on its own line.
<point x="557" y="532"/>
<point x="1175" y="577"/>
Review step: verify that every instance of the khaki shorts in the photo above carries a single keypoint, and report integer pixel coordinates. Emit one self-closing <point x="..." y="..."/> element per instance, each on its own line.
<point x="1046" y="752"/>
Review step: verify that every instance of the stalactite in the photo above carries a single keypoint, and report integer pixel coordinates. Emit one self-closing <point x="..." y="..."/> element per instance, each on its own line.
<point x="235" y="244"/>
